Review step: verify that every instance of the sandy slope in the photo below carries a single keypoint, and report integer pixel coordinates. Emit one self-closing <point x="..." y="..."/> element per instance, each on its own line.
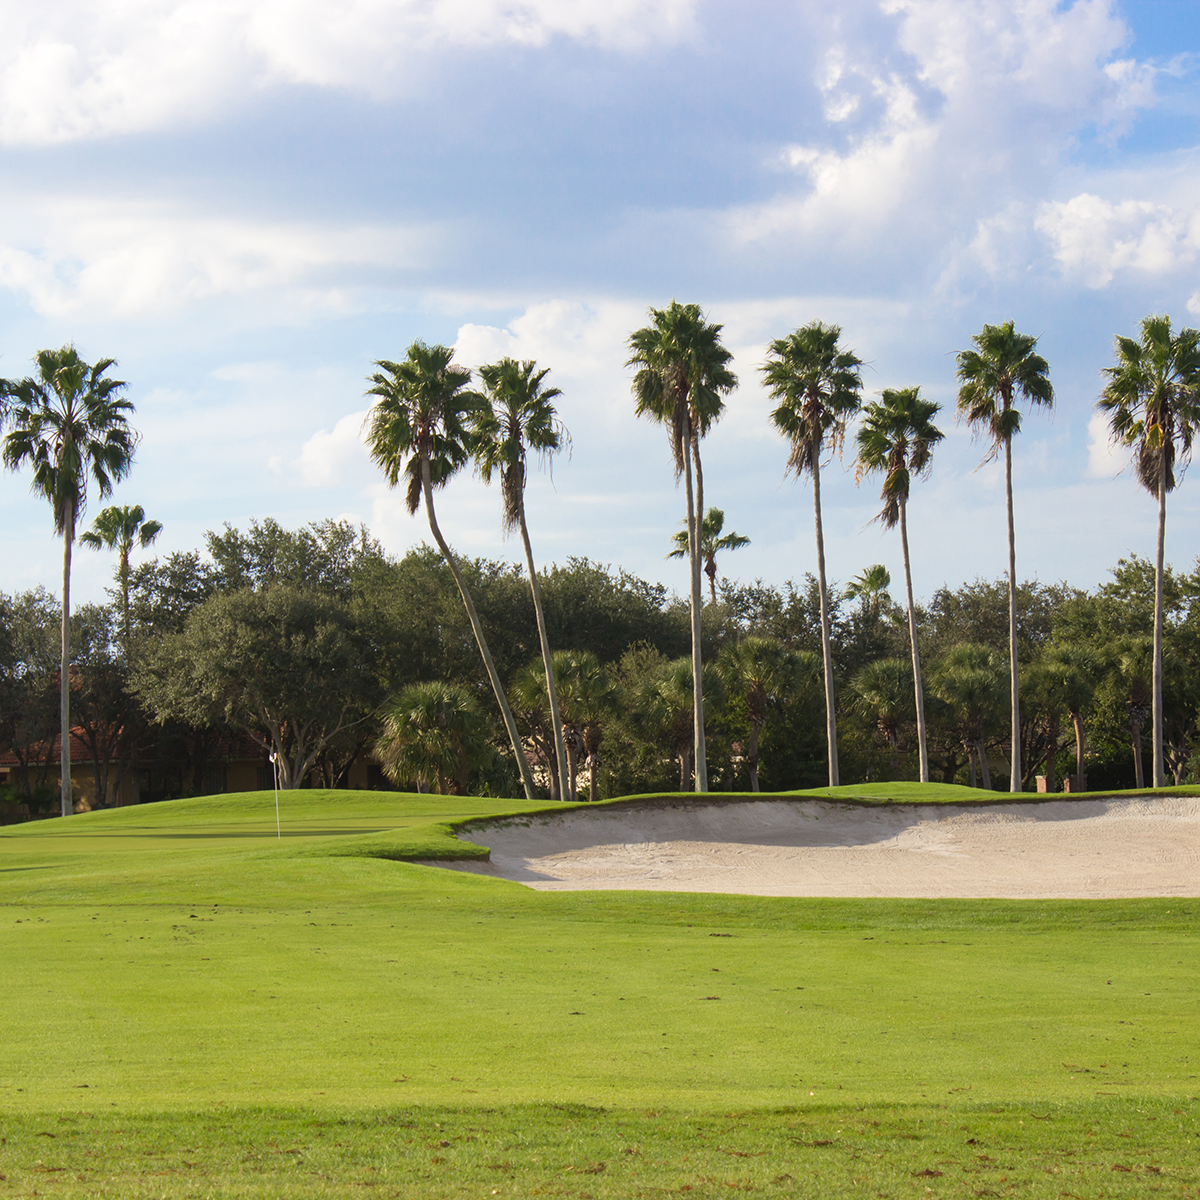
<point x="1080" y="848"/>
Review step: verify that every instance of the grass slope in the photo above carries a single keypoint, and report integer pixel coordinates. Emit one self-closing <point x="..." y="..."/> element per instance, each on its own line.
<point x="301" y="1016"/>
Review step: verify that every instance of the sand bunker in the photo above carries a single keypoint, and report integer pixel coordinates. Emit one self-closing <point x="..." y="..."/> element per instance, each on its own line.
<point x="1078" y="848"/>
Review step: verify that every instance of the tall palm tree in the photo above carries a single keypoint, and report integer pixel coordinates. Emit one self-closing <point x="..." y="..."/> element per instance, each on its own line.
<point x="1002" y="368"/>
<point x="897" y="438"/>
<point x="120" y="528"/>
<point x="1152" y="401"/>
<point x="767" y="674"/>
<point x="69" y="422"/>
<point x="682" y="372"/>
<point x="517" y="415"/>
<point x="818" y="386"/>
<point x="712" y="543"/>
<point x="417" y="429"/>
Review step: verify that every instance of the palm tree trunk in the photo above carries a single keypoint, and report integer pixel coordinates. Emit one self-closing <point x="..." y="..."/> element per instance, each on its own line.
<point x="1014" y="782"/>
<point x="971" y="763"/>
<point x="573" y="764"/>
<point x="1138" y="772"/>
<point x="123" y="572"/>
<point x="918" y="687"/>
<point x="1077" y="721"/>
<point x="64" y="694"/>
<point x="826" y="651"/>
<point x="1052" y="753"/>
<point x="1157" y="698"/>
<point x="752" y="758"/>
<point x="701" y="758"/>
<point x="477" y="627"/>
<point x="551" y="689"/>
<point x="985" y="772"/>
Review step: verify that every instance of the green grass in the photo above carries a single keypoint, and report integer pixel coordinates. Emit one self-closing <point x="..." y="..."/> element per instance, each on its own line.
<point x="304" y="1016"/>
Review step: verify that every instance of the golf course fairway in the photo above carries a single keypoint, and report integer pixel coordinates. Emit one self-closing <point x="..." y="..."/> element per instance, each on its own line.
<point x="196" y="1006"/>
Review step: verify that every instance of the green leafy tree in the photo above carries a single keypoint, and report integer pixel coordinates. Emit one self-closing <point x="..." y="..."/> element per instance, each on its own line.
<point x="1152" y="402"/>
<point x="712" y="543"/>
<point x="417" y="429"/>
<point x="435" y="734"/>
<point x="289" y="668"/>
<point x="818" y="386"/>
<point x="682" y="373"/>
<point x="120" y="529"/>
<point x="896" y="439"/>
<point x="69" y="423"/>
<point x="1000" y="370"/>
<point x="517" y="415"/>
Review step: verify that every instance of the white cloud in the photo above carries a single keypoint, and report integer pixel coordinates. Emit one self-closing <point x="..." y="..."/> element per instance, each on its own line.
<point x="132" y="258"/>
<point x="73" y="70"/>
<point x="1094" y="238"/>
<point x="337" y="454"/>
<point x="1105" y="460"/>
<point x="945" y="130"/>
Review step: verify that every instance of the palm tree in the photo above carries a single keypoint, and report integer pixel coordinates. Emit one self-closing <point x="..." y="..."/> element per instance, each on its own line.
<point x="818" y="385"/>
<point x="883" y="692"/>
<point x="969" y="680"/>
<point x="597" y="696"/>
<point x="1152" y="401"/>
<point x="1001" y="368"/>
<point x="119" y="529"/>
<point x="1134" y="661"/>
<point x="682" y="373"/>
<point x="897" y="437"/>
<point x="434" y="733"/>
<point x="666" y="704"/>
<point x="1072" y="671"/>
<point x="532" y="704"/>
<point x="711" y="544"/>
<point x="589" y="698"/>
<point x="516" y="415"/>
<point x="417" y="428"/>
<point x="767" y="674"/>
<point x="871" y="586"/>
<point x="69" y="422"/>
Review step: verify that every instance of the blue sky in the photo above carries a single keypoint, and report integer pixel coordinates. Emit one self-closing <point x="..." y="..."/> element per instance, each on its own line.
<point x="247" y="203"/>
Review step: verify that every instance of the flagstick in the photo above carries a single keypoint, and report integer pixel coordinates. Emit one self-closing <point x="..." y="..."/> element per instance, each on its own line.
<point x="275" y="772"/>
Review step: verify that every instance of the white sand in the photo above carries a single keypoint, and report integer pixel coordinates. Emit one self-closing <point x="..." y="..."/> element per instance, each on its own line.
<point x="1079" y="848"/>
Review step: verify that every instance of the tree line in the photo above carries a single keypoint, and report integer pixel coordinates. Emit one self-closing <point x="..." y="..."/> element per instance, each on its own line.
<point x="317" y="646"/>
<point x="70" y="422"/>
